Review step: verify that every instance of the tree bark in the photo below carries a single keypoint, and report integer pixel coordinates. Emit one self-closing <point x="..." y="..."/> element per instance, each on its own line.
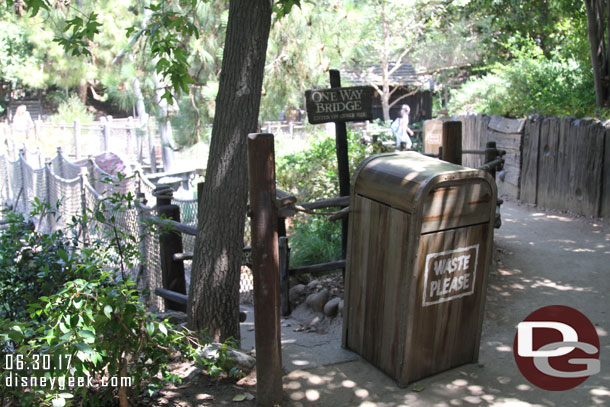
<point x="596" y="23"/>
<point x="214" y="292"/>
<point x="167" y="153"/>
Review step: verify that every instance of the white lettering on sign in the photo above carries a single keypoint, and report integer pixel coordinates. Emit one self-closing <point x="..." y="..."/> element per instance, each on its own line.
<point x="450" y="275"/>
<point x="339" y="104"/>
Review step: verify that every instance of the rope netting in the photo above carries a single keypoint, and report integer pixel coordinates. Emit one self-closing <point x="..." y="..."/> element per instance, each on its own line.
<point x="73" y="189"/>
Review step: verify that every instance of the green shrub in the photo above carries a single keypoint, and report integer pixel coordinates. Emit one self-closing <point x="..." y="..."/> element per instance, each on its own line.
<point x="34" y="264"/>
<point x="531" y="83"/>
<point x="314" y="240"/>
<point x="84" y="310"/>
<point x="71" y="109"/>
<point x="311" y="174"/>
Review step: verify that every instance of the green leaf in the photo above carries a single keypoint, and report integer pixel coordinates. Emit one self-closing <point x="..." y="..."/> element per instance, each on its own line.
<point x="15" y="336"/>
<point x="83" y="347"/>
<point x="63" y="255"/>
<point x="163" y="329"/>
<point x="108" y="311"/>
<point x="239" y="397"/>
<point x="150" y="328"/>
<point x="86" y="334"/>
<point x="59" y="402"/>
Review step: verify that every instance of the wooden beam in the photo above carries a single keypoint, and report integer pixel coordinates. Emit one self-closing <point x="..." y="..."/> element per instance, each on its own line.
<point x="176" y="226"/>
<point x="326" y="203"/>
<point x="172" y="296"/>
<point x="452" y="142"/>
<point x="265" y="268"/>
<point x="318" y="268"/>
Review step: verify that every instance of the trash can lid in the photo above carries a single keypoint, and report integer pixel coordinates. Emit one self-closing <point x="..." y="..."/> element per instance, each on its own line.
<point x="399" y="179"/>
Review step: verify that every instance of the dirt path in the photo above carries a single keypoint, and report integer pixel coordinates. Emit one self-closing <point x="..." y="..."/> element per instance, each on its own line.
<point x="542" y="258"/>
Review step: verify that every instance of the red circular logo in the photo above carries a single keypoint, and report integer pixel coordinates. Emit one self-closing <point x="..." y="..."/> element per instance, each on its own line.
<point x="556" y="348"/>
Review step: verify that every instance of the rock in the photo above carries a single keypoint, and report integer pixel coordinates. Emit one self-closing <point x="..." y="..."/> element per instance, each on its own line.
<point x="296" y="292"/>
<point x="332" y="307"/>
<point x="340" y="307"/>
<point x="241" y="359"/>
<point x="191" y="373"/>
<point x="317" y="300"/>
<point x="313" y="284"/>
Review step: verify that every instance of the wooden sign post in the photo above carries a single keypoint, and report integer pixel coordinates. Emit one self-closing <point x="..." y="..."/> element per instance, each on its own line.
<point x="340" y="105"/>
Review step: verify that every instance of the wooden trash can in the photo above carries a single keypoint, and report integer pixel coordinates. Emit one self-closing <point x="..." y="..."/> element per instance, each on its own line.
<point x="419" y="250"/>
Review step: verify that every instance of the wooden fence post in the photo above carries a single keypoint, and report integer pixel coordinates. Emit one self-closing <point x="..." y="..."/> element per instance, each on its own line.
<point x="24" y="182"/>
<point x="265" y="269"/>
<point x="52" y="205"/>
<point x="284" y="261"/>
<point x="170" y="243"/>
<point x="106" y="132"/>
<point x="60" y="162"/>
<point x="151" y="149"/>
<point x="76" y="139"/>
<point x="83" y="200"/>
<point x="342" y="163"/>
<point x="452" y="142"/>
<point x="491" y="153"/>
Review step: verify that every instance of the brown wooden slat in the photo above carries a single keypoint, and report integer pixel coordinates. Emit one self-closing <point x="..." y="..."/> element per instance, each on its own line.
<point x="605" y="199"/>
<point x="529" y="171"/>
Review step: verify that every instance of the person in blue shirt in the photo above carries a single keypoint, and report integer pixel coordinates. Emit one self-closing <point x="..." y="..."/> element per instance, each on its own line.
<point x="400" y="128"/>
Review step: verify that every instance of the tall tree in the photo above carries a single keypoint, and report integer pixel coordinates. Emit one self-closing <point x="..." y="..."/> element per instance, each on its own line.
<point x="598" y="27"/>
<point x="214" y="290"/>
<point x="392" y="32"/>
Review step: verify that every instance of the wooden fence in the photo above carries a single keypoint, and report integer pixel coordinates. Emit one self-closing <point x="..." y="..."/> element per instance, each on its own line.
<point x="553" y="163"/>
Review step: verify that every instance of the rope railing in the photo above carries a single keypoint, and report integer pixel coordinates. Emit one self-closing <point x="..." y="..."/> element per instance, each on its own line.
<point x="74" y="189"/>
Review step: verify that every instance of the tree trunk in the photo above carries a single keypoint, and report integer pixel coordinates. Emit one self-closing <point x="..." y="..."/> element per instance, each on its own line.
<point x="596" y="23"/>
<point x="385" y="62"/>
<point x="167" y="153"/>
<point x="214" y="292"/>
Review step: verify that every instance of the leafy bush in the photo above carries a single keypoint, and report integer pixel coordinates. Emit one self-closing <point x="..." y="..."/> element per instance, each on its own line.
<point x="26" y="272"/>
<point x="311" y="174"/>
<point x="314" y="240"/>
<point x="71" y="109"/>
<point x="82" y="313"/>
<point x="531" y="83"/>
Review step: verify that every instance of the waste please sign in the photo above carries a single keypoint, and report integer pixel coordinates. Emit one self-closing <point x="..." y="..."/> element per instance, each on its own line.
<point x="339" y="104"/>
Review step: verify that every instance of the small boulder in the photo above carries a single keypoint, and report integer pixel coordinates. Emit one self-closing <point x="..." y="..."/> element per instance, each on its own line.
<point x="313" y="284"/>
<point x="340" y="307"/>
<point x="317" y="300"/>
<point x="332" y="307"/>
<point x="296" y="292"/>
<point x="239" y="358"/>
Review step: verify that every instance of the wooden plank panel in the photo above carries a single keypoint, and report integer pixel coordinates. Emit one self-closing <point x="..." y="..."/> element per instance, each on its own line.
<point x="469" y="139"/>
<point x="583" y="162"/>
<point x="529" y="159"/>
<point x="377" y="284"/>
<point x="374" y="282"/>
<point x="510" y="141"/>
<point x="548" y="164"/>
<point x="481" y="125"/>
<point x="604" y="209"/>
<point x="445" y="334"/>
<point x="390" y="339"/>
<point x="355" y="301"/>
<point x="506" y="125"/>
<point x="458" y="205"/>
